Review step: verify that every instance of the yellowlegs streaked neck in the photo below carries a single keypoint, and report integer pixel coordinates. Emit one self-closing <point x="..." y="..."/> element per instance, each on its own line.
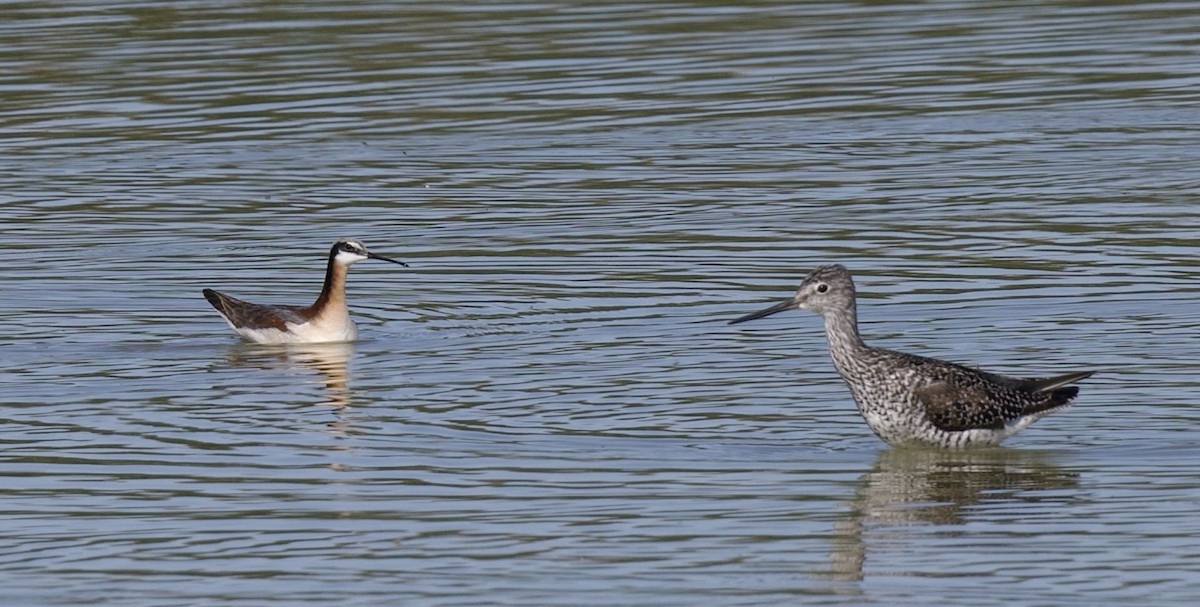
<point x="913" y="400"/>
<point x="326" y="320"/>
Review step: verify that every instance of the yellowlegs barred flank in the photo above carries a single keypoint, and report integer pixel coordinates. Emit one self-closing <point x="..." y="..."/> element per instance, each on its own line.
<point x="913" y="400"/>
<point x="326" y="320"/>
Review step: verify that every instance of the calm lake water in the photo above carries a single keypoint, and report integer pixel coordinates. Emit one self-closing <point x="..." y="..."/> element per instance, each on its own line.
<point x="548" y="408"/>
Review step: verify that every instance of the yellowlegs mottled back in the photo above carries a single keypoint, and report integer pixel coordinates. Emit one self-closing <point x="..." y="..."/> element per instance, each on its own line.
<point x="913" y="400"/>
<point x="327" y="320"/>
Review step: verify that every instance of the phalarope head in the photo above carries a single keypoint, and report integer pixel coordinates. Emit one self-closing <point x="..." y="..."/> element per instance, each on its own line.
<point x="347" y="251"/>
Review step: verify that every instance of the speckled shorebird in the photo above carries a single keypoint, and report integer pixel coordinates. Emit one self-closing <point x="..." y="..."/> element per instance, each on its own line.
<point x="327" y="320"/>
<point x="913" y="400"/>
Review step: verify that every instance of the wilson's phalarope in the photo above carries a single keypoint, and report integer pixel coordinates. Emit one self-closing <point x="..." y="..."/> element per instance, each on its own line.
<point x="326" y="320"/>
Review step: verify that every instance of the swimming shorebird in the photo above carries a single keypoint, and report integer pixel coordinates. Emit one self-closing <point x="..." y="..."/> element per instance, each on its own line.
<point x="326" y="320"/>
<point x="913" y="400"/>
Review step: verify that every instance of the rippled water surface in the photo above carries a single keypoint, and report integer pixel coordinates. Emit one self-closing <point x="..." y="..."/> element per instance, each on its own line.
<point x="548" y="407"/>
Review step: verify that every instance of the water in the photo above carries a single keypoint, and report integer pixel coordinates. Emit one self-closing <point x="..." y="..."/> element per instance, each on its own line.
<point x="548" y="408"/>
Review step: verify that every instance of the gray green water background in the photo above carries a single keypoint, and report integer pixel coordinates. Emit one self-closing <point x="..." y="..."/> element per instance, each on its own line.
<point x="548" y="408"/>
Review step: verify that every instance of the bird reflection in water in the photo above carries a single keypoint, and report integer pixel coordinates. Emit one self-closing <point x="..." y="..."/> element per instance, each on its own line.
<point x="330" y="361"/>
<point x="921" y="487"/>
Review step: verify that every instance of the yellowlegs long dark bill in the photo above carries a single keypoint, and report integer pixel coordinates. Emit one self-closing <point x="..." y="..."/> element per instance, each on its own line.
<point x="326" y="320"/>
<point x="913" y="400"/>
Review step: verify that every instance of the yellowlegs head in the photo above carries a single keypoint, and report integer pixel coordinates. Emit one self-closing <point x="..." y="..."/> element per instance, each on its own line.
<point x="826" y="290"/>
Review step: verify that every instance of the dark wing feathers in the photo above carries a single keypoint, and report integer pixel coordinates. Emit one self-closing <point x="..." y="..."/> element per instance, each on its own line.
<point x="972" y="400"/>
<point x="1051" y="383"/>
<point x="954" y="408"/>
<point x="247" y="315"/>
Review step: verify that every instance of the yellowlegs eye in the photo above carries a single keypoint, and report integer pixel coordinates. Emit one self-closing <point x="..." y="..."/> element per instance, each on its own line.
<point x="821" y="288"/>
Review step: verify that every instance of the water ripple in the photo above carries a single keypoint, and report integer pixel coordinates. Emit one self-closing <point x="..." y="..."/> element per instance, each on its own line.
<point x="548" y="407"/>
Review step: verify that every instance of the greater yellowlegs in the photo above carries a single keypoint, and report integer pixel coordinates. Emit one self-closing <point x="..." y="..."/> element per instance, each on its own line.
<point x="909" y="399"/>
<point x="326" y="320"/>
